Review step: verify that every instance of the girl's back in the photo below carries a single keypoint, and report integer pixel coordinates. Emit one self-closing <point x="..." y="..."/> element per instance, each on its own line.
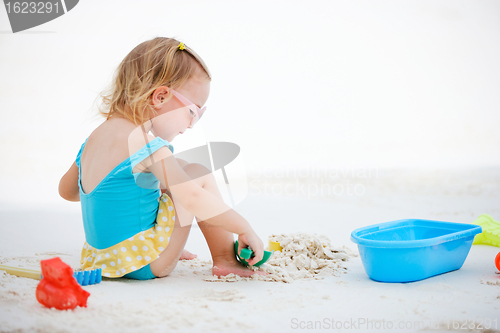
<point x="106" y="148"/>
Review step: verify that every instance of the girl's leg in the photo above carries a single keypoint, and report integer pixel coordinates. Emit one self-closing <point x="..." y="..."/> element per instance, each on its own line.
<point x="220" y="241"/>
<point x="169" y="257"/>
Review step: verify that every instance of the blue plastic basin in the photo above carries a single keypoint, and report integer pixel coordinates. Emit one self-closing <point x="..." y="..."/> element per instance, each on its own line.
<point x="411" y="250"/>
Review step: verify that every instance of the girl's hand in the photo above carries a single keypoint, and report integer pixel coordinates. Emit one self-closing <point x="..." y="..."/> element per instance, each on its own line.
<point x="251" y="239"/>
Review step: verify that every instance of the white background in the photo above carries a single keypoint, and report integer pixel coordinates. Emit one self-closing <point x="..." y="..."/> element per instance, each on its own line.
<point x="383" y="84"/>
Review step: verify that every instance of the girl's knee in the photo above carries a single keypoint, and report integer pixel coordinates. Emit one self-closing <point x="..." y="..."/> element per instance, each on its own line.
<point x="182" y="162"/>
<point x="196" y="170"/>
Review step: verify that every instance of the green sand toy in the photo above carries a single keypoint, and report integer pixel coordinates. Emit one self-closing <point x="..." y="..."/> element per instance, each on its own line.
<point x="247" y="253"/>
<point x="491" y="231"/>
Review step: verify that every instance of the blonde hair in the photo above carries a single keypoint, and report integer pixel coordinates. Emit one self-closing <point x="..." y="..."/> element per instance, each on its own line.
<point x="151" y="64"/>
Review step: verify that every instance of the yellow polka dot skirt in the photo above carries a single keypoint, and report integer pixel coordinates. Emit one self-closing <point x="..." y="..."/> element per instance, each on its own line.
<point x="136" y="251"/>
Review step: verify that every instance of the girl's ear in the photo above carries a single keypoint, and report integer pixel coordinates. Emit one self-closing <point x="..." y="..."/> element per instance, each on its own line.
<point x="160" y="95"/>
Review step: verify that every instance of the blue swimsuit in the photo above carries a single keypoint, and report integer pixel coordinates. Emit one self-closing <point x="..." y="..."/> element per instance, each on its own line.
<point x="126" y="224"/>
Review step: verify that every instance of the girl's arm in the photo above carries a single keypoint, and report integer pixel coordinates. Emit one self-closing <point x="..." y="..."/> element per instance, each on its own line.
<point x="68" y="186"/>
<point x="200" y="202"/>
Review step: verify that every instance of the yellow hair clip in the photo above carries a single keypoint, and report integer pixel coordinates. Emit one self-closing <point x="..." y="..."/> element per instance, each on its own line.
<point x="181" y="46"/>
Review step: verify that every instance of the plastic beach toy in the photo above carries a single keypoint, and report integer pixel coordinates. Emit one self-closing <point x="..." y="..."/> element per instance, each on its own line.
<point x="275" y="246"/>
<point x="491" y="231"/>
<point x="411" y="250"/>
<point x="84" y="278"/>
<point x="58" y="288"/>
<point x="247" y="253"/>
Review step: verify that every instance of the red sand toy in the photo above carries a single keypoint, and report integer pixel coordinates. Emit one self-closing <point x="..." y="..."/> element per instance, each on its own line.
<point x="58" y="288"/>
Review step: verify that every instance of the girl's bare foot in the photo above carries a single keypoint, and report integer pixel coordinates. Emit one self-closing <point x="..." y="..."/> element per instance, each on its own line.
<point x="186" y="255"/>
<point x="226" y="267"/>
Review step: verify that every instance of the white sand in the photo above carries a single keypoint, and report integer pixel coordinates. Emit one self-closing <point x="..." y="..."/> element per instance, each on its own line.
<point x="303" y="256"/>
<point x="186" y="302"/>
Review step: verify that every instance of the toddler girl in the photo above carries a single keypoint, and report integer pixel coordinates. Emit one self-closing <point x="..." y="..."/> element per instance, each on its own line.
<point x="137" y="199"/>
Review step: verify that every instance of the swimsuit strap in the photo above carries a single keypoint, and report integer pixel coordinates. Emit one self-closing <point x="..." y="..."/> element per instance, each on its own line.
<point x="148" y="149"/>
<point x="79" y="155"/>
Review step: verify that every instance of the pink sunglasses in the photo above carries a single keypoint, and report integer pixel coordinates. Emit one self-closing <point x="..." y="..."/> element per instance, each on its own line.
<point x="187" y="102"/>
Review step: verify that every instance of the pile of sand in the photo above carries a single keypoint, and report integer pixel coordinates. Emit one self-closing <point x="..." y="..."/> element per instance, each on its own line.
<point x="304" y="256"/>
